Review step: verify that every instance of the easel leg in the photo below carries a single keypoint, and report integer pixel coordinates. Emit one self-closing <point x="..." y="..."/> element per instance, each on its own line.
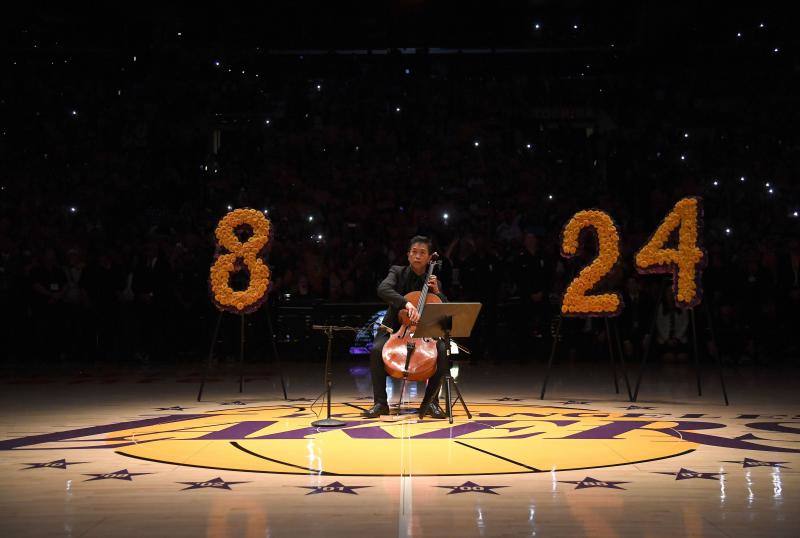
<point x="275" y="349"/>
<point x="210" y="357"/>
<point x="694" y="352"/>
<point x="649" y="340"/>
<point x="615" y="327"/>
<point x="716" y="353"/>
<point x="611" y="357"/>
<point x="241" y="355"/>
<point x="552" y="356"/>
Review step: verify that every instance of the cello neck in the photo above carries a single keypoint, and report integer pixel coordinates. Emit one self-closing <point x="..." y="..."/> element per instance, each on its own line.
<point x="423" y="295"/>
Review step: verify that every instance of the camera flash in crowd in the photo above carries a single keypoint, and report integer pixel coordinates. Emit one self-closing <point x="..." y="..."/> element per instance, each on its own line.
<point x="476" y="143"/>
<point x="685" y="135"/>
<point x="549" y="196"/>
<point x="728" y="231"/>
<point x="73" y="209"/>
<point x="311" y="218"/>
<point x="742" y="179"/>
<point x="529" y="146"/>
<point x="230" y="207"/>
<point x="683" y="157"/>
<point x="715" y="183"/>
<point x="445" y="216"/>
<point x="397" y="109"/>
<point x="795" y="214"/>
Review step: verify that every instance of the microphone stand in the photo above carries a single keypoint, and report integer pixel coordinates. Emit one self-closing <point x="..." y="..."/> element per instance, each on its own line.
<point x="328" y="422"/>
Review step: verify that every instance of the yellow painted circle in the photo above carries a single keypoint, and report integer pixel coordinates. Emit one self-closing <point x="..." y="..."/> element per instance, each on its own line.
<point x="500" y="438"/>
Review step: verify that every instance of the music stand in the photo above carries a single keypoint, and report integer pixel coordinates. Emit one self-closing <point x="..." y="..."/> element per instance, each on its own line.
<point x="445" y="320"/>
<point x="329" y="422"/>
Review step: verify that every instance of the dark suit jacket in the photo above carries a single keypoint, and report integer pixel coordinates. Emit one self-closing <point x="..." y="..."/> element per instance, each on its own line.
<point x="393" y="288"/>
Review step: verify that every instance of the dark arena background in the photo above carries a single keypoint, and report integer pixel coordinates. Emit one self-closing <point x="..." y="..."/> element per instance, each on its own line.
<point x="200" y="207"/>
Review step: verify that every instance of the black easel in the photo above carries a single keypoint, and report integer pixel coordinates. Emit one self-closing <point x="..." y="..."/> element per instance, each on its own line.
<point x="275" y="354"/>
<point x="241" y="353"/>
<point x="443" y="320"/>
<point x="695" y="353"/>
<point x="612" y="335"/>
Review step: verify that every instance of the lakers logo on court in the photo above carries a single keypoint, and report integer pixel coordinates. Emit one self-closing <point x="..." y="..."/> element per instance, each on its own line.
<point x="502" y="438"/>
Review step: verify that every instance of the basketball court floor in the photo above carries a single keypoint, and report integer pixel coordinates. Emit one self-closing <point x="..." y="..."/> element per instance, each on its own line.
<point x="134" y="454"/>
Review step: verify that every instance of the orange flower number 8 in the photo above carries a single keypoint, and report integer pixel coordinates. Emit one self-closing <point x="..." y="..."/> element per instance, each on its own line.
<point x="223" y="295"/>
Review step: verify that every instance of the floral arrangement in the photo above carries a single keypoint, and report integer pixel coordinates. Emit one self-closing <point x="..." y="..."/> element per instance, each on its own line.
<point x="685" y="262"/>
<point x="576" y="302"/>
<point x="225" y="297"/>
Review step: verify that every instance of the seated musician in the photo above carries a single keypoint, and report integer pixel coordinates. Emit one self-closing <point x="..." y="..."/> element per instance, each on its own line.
<point x="400" y="281"/>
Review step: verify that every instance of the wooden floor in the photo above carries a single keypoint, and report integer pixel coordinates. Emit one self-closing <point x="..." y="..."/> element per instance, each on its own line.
<point x="130" y="453"/>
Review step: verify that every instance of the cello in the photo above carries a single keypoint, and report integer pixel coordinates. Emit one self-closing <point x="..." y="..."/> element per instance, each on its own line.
<point x="406" y="357"/>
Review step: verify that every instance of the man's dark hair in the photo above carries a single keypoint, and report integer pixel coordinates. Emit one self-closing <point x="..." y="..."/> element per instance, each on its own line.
<point x="421" y="239"/>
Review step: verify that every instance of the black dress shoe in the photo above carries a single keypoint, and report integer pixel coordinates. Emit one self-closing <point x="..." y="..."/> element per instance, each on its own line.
<point x="377" y="410"/>
<point x="434" y="411"/>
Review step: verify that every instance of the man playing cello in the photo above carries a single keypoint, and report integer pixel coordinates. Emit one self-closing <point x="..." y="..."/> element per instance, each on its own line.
<point x="392" y="290"/>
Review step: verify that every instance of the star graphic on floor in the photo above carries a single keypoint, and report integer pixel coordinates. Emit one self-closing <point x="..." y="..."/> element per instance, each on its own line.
<point x="57" y="464"/>
<point x="471" y="487"/>
<point x="217" y="483"/>
<point x="575" y="402"/>
<point x="122" y="474"/>
<point x="749" y="462"/>
<point x="236" y="402"/>
<point x="590" y="482"/>
<point x="685" y="474"/>
<point x="173" y="408"/>
<point x="333" y="487"/>
<point x="507" y="399"/>
<point x="631" y="407"/>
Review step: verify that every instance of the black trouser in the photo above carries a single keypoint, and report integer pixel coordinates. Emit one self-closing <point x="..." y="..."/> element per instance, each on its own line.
<point x="379" y="372"/>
